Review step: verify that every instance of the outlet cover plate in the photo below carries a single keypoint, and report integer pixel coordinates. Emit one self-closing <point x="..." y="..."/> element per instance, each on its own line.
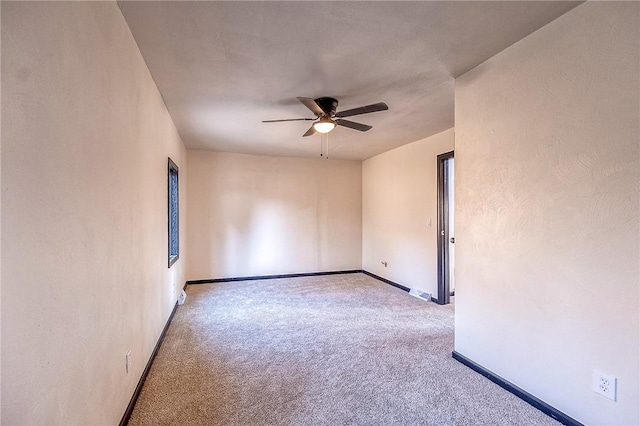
<point x="127" y="361"/>
<point x="605" y="385"/>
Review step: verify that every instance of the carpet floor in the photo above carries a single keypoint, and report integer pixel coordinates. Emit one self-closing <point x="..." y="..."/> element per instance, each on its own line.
<point x="322" y="350"/>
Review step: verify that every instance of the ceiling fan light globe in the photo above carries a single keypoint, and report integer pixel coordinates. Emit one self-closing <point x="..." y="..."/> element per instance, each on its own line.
<point x="324" y="126"/>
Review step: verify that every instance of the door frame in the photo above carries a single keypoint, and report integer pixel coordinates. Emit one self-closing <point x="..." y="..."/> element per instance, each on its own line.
<point x="443" y="230"/>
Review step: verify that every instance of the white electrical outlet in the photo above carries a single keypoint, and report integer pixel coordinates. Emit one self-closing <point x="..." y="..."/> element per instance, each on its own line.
<point x="605" y="385"/>
<point x="127" y="361"/>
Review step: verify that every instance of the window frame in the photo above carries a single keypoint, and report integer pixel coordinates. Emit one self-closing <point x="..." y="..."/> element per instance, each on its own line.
<point x="173" y="226"/>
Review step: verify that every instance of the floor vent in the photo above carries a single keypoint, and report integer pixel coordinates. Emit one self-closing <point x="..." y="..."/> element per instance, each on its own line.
<point x="420" y="294"/>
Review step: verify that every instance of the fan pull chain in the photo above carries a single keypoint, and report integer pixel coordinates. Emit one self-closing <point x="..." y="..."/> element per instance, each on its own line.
<point x="327" y="146"/>
<point x="322" y="145"/>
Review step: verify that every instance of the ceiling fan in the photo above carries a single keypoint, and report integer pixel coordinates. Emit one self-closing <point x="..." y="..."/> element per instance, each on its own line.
<point x="327" y="118"/>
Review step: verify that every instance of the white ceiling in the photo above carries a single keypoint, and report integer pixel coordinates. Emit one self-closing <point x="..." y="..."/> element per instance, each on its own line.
<point x="223" y="67"/>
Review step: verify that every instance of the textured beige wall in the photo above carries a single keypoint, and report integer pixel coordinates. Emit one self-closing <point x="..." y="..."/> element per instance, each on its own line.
<point x="547" y="214"/>
<point x="399" y="199"/>
<point x="257" y="215"/>
<point x="85" y="140"/>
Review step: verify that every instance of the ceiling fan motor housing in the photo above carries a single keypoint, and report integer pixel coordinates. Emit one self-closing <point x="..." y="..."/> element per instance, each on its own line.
<point x="328" y="105"/>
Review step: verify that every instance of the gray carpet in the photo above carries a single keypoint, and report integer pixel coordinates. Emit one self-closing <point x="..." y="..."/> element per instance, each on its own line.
<point x="326" y="350"/>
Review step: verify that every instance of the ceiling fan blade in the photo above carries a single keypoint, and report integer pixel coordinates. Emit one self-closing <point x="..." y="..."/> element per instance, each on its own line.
<point x="381" y="106"/>
<point x="353" y="125"/>
<point x="288" y="119"/>
<point x="312" y="105"/>
<point x="310" y="132"/>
